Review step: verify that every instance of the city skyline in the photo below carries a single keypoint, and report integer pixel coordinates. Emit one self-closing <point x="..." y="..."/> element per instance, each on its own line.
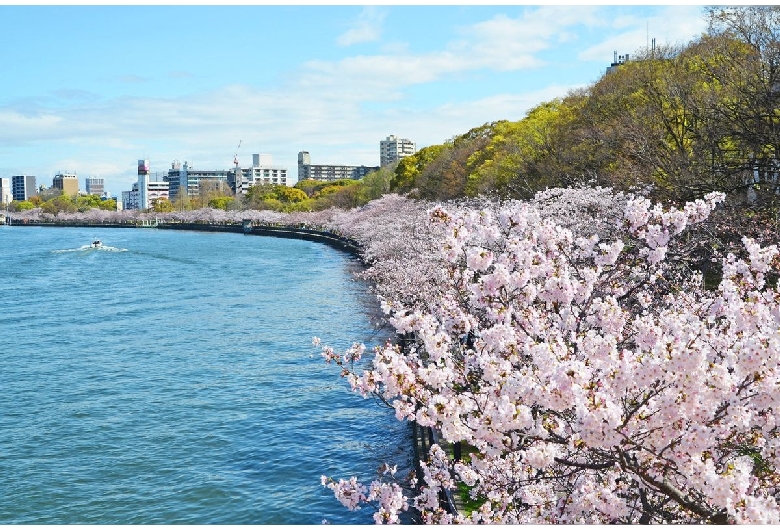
<point x="92" y="89"/>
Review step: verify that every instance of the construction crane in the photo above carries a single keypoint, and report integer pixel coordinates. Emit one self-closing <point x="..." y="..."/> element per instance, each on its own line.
<point x="235" y="157"/>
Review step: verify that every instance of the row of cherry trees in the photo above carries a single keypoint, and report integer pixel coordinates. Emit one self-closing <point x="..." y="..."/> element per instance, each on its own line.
<point x="570" y="346"/>
<point x="97" y="216"/>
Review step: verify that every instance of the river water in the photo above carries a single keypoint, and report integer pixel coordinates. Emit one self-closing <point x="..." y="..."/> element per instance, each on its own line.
<point x="169" y="378"/>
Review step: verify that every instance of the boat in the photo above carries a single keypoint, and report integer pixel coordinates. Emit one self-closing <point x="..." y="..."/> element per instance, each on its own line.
<point x="97" y="243"/>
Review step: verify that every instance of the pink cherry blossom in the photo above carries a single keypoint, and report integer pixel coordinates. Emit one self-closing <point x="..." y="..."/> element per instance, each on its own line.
<point x="590" y="374"/>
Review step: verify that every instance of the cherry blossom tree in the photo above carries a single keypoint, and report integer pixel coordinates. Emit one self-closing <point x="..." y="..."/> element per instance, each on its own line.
<point x="588" y="380"/>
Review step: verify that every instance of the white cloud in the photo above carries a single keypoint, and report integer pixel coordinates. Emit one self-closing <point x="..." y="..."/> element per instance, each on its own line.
<point x="672" y="25"/>
<point x="180" y="74"/>
<point x="75" y="95"/>
<point x="16" y="128"/>
<point x="502" y="38"/>
<point x="500" y="44"/>
<point x="443" y="122"/>
<point x="131" y="78"/>
<point x="367" y="28"/>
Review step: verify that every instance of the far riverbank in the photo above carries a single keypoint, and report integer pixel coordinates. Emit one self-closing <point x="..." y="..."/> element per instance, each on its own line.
<point x="247" y="227"/>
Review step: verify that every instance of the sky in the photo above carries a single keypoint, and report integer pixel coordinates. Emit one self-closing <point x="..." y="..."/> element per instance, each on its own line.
<point x="91" y="89"/>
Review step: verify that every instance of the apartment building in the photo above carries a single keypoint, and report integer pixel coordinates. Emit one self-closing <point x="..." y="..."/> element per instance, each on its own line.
<point x="394" y="149"/>
<point x="94" y="186"/>
<point x="183" y="178"/>
<point x="325" y="172"/>
<point x="262" y="172"/>
<point x="131" y="199"/>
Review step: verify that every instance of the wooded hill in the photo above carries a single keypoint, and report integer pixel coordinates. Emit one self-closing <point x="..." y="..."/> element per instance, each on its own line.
<point x="673" y="123"/>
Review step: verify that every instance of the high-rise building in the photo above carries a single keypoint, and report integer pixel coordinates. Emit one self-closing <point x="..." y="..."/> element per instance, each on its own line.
<point x="143" y="180"/>
<point x="394" y="149"/>
<point x="145" y="191"/>
<point x="68" y="183"/>
<point x="307" y="170"/>
<point x="5" y="191"/>
<point x="22" y="187"/>
<point x="94" y="186"/>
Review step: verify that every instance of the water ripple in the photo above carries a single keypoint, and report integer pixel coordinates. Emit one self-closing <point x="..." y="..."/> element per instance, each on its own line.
<point x="171" y="380"/>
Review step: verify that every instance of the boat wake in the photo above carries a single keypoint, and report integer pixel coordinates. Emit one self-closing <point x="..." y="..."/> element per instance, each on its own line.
<point x="91" y="248"/>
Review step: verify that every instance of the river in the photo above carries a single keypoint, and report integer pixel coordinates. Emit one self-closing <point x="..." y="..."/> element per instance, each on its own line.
<point x="169" y="378"/>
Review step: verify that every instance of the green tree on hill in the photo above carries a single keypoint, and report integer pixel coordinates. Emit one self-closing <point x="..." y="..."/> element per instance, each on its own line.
<point x="376" y="183"/>
<point x="410" y="167"/>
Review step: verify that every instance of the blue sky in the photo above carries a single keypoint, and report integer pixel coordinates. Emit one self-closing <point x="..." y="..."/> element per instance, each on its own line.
<point x="92" y="89"/>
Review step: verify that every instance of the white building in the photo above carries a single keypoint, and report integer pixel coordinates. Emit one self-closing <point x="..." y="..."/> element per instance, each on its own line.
<point x="262" y="172"/>
<point x="144" y="191"/>
<point x="394" y="149"/>
<point x="156" y="190"/>
<point x="5" y="192"/>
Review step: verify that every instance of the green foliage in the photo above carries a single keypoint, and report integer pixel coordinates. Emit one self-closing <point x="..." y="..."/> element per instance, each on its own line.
<point x="343" y="195"/>
<point x="411" y="166"/>
<point x="257" y="194"/>
<point x="469" y="504"/>
<point x="314" y="188"/>
<point x="287" y="194"/>
<point x="61" y="203"/>
<point x="273" y="197"/>
<point x="20" y="206"/>
<point x="375" y="184"/>
<point x="272" y="204"/>
<point x="84" y="203"/>
<point x="220" y="203"/>
<point x="517" y="157"/>
<point x="161" y="204"/>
